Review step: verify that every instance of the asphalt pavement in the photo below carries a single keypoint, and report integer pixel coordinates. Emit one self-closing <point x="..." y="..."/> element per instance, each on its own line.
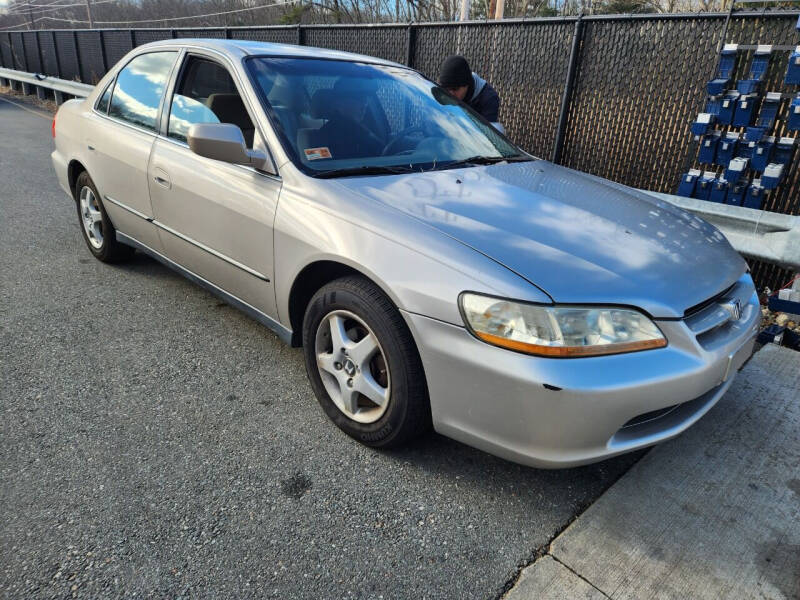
<point x="155" y="442"/>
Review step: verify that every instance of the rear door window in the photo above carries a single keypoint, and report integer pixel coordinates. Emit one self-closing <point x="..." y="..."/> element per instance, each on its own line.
<point x="140" y="86"/>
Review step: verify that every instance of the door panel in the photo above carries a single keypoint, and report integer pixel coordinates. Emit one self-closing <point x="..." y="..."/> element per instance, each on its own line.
<point x="216" y="220"/>
<point x="118" y="167"/>
<point x="120" y="141"/>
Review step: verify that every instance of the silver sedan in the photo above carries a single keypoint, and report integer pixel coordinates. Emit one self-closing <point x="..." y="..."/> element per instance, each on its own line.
<point x="434" y="273"/>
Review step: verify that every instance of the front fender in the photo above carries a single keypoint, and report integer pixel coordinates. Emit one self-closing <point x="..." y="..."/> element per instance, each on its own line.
<point x="422" y="270"/>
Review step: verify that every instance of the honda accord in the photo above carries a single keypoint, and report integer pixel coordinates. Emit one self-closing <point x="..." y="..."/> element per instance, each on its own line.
<point x="434" y="274"/>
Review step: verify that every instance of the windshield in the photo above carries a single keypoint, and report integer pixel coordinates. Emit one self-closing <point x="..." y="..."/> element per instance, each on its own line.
<point x="339" y="116"/>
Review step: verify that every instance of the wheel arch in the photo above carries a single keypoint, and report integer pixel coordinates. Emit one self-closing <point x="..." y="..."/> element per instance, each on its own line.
<point x="74" y="170"/>
<point x="311" y="278"/>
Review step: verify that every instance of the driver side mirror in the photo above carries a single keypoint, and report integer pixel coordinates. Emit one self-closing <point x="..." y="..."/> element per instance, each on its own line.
<point x="225" y="142"/>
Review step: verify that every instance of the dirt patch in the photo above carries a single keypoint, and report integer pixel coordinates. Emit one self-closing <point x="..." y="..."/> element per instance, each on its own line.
<point x="29" y="100"/>
<point x="295" y="486"/>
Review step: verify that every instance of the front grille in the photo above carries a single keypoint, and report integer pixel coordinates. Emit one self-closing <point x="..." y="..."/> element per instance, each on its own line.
<point x="713" y="325"/>
<point x="706" y="303"/>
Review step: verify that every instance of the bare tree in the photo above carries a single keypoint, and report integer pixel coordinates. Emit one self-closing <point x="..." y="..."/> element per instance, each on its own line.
<point x="49" y="14"/>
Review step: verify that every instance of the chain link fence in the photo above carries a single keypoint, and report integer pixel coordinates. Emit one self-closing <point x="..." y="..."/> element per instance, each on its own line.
<point x="610" y="95"/>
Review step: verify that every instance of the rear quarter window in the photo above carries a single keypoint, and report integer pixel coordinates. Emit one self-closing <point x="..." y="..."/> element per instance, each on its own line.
<point x="102" y="104"/>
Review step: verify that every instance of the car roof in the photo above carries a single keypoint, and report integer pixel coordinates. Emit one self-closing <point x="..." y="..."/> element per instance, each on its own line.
<point x="238" y="49"/>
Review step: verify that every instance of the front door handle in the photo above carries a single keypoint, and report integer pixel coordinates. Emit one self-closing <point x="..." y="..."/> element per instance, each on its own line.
<point x="161" y="178"/>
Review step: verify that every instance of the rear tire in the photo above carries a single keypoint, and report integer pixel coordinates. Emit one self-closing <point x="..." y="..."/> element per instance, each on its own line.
<point x="355" y="339"/>
<point x="98" y="232"/>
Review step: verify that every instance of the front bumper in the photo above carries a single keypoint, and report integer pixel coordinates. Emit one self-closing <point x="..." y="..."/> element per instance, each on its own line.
<point x="554" y="413"/>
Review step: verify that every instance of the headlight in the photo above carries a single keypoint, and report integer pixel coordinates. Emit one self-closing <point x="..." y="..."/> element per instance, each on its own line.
<point x="559" y="331"/>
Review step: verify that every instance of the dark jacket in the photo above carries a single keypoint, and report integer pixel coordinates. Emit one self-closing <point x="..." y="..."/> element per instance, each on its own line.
<point x="484" y="100"/>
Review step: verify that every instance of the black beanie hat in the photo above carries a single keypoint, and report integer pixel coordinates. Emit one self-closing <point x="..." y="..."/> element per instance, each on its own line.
<point x="455" y="72"/>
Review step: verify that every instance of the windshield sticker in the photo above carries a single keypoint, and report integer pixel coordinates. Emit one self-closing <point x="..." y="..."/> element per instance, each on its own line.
<point x="317" y="153"/>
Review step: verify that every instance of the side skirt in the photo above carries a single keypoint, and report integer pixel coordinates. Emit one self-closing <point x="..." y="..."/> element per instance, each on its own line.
<point x="282" y="332"/>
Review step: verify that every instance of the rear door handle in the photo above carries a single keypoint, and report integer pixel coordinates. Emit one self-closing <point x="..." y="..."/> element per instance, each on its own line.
<point x="161" y="181"/>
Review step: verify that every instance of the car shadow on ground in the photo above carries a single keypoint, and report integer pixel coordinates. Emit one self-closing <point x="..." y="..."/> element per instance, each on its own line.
<point x="432" y="453"/>
<point x="444" y="457"/>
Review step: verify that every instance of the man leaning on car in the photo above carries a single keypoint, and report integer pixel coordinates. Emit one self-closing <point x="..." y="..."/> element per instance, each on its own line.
<point x="457" y="77"/>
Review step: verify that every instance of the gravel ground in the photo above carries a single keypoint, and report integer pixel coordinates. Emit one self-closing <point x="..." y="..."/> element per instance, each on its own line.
<point x="155" y="442"/>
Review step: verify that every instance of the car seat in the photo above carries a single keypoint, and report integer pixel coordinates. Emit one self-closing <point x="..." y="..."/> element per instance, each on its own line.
<point x="229" y="108"/>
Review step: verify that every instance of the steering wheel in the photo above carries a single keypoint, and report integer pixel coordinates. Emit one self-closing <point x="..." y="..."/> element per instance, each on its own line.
<point x="397" y="137"/>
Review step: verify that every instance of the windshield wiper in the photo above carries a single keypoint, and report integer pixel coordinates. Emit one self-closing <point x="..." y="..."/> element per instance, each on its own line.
<point x="485" y="160"/>
<point x="363" y="170"/>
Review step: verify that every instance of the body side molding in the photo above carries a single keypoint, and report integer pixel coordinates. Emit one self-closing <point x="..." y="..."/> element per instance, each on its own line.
<point x="194" y="242"/>
<point x="141" y="215"/>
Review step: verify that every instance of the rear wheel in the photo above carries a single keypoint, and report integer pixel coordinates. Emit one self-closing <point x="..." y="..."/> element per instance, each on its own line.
<point x="98" y="232"/>
<point x="363" y="364"/>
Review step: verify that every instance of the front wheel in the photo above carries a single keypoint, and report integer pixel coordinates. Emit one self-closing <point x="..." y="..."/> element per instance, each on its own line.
<point x="363" y="364"/>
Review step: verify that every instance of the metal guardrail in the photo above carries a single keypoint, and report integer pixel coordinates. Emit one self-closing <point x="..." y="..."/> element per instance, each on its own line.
<point x="760" y="234"/>
<point x="767" y="236"/>
<point x="60" y="86"/>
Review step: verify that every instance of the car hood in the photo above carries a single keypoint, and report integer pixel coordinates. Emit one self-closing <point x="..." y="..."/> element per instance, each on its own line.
<point x="579" y="238"/>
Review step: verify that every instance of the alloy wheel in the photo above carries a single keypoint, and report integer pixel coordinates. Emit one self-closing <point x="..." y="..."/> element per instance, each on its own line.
<point x="352" y="366"/>
<point x="91" y="217"/>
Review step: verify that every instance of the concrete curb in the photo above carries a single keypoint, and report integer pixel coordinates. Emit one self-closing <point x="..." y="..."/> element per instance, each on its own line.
<point x="714" y="513"/>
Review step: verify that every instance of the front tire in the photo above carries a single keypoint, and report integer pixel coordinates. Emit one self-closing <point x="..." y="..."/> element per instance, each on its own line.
<point x="98" y="232"/>
<point x="363" y="364"/>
